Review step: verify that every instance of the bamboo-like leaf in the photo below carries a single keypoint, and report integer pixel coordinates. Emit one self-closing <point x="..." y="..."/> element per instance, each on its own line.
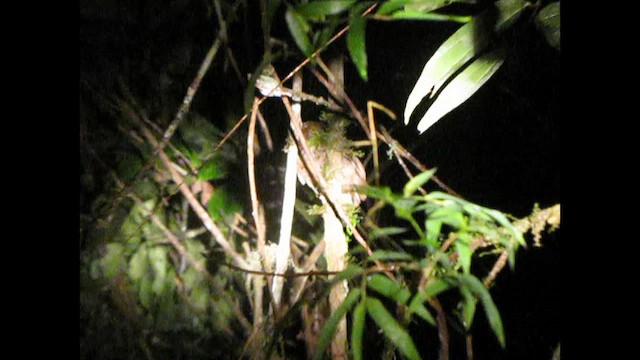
<point x="416" y="306"/>
<point x="457" y="50"/>
<point x="299" y="29"/>
<point x="423" y="6"/>
<point x="417" y="181"/>
<point x="464" y="251"/>
<point x="318" y="10"/>
<point x="356" y="44"/>
<point x="436" y="287"/>
<point x="548" y="22"/>
<point x="467" y="42"/>
<point x="391" y="6"/>
<point x="389" y="255"/>
<point x="349" y="273"/>
<point x="330" y="326"/>
<point x="480" y="292"/>
<point x="469" y="303"/>
<point x="357" y="330"/>
<point x="426" y="5"/>
<point x="508" y="12"/>
<point x="462" y="87"/>
<point x="386" y="231"/>
<point x="416" y="15"/>
<point x="389" y="288"/>
<point x="391" y="328"/>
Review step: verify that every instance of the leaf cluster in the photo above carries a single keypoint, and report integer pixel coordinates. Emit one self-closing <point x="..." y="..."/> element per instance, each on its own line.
<point x="452" y="231"/>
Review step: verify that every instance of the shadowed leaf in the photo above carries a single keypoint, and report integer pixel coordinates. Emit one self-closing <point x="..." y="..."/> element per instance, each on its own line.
<point x="330" y="326"/>
<point x="392" y="329"/>
<point x="548" y="21"/>
<point x="357" y="330"/>
<point x="299" y="29"/>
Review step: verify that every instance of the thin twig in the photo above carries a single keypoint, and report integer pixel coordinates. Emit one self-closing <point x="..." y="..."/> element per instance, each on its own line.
<point x="294" y="71"/>
<point x="200" y="211"/>
<point x="340" y="94"/>
<point x="469" y="345"/>
<point x="180" y="115"/>
<point x="443" y="331"/>
<point x="284" y="275"/>
<point x="265" y="131"/>
<point x="258" y="215"/>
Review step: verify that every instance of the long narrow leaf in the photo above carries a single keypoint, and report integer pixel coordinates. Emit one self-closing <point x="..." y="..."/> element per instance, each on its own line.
<point x="462" y="87"/>
<point x="330" y="326"/>
<point x="389" y="288"/>
<point x="391" y="328"/>
<point x="318" y="10"/>
<point x="548" y="22"/>
<point x="415" y="15"/>
<point x="357" y="330"/>
<point x="390" y="255"/>
<point x="467" y="42"/>
<point x="490" y="309"/>
<point x="299" y="29"/>
<point x="356" y="44"/>
<point x="417" y="181"/>
<point x="416" y="306"/>
<point x="457" y="50"/>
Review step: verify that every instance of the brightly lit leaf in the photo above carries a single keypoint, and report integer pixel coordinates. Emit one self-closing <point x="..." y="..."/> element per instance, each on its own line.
<point x="462" y="87"/>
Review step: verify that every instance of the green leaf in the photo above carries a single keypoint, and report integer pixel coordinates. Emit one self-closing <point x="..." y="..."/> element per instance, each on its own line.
<point x="468" y="307"/>
<point x="138" y="264"/>
<point x="159" y="264"/>
<point x="356" y="44"/>
<point x="383" y="193"/>
<point x="509" y="12"/>
<point x="386" y="231"/>
<point x="391" y="6"/>
<point x="112" y="263"/>
<point x="390" y="255"/>
<point x="489" y="306"/>
<point x="462" y="87"/>
<point x="222" y="203"/>
<point x="389" y="288"/>
<point x="357" y="330"/>
<point x="199" y="298"/>
<point x="436" y="287"/>
<point x="145" y="293"/>
<point x="416" y="15"/>
<point x="451" y="215"/>
<point x="391" y="328"/>
<point x="433" y="227"/>
<point x="425" y="6"/>
<point x="318" y="10"/>
<point x="416" y="306"/>
<point x="299" y="29"/>
<point x="349" y="273"/>
<point x="467" y="42"/>
<point x="548" y="22"/>
<point x="457" y="50"/>
<point x="464" y="252"/>
<point x="330" y="326"/>
<point x="404" y="208"/>
<point x="272" y="7"/>
<point x="211" y="170"/>
<point x="417" y="181"/>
